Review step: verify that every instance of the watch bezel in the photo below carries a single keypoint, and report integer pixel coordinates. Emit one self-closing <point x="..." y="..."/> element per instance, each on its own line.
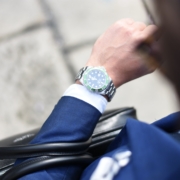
<point x="85" y="82"/>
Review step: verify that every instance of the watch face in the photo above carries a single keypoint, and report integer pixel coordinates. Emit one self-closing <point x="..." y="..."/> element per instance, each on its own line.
<point x="96" y="79"/>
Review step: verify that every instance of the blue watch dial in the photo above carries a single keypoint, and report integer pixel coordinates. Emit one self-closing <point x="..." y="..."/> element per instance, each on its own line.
<point x="96" y="79"/>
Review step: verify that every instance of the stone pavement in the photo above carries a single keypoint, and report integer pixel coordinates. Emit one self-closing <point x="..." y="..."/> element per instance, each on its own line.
<point x="43" y="43"/>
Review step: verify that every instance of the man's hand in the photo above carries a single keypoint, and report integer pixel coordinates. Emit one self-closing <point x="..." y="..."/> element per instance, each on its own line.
<point x="116" y="51"/>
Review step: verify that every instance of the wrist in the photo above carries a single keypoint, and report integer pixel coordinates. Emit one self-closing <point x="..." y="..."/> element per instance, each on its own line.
<point x="78" y="82"/>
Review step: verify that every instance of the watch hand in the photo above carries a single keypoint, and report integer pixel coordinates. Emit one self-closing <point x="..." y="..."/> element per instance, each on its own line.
<point x="91" y="77"/>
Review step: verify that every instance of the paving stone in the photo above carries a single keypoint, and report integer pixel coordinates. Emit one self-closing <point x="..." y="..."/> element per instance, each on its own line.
<point x="82" y="20"/>
<point x="17" y="15"/>
<point x="33" y="76"/>
<point x="79" y="57"/>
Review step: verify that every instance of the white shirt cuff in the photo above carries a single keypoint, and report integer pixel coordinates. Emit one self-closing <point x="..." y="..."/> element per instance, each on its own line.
<point x="82" y="93"/>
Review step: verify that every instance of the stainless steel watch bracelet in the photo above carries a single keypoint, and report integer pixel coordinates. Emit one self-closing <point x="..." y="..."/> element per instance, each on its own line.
<point x="110" y="91"/>
<point x="81" y="72"/>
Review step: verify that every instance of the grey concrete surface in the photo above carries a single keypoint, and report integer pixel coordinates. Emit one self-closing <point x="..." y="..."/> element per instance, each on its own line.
<point x="33" y="78"/>
<point x="18" y="15"/>
<point x="84" y="20"/>
<point x="43" y="44"/>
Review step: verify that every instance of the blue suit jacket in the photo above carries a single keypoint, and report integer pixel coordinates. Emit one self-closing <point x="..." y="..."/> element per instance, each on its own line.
<point x="155" y="155"/>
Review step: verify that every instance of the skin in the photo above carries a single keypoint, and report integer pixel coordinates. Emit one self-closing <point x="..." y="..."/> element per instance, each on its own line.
<point x="116" y="51"/>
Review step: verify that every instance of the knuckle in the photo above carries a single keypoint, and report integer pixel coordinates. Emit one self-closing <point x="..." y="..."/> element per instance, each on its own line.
<point x="129" y="31"/>
<point x="124" y="28"/>
<point x="118" y="24"/>
<point x="124" y="22"/>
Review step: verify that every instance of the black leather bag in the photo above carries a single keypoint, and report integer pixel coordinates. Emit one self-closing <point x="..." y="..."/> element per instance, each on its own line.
<point x="43" y="156"/>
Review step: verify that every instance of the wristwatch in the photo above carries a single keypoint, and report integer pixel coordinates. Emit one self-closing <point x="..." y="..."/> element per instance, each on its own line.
<point x="97" y="80"/>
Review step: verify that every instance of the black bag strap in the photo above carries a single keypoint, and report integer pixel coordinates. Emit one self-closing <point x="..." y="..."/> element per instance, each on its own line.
<point x="34" y="150"/>
<point x="44" y="162"/>
<point x="115" y="119"/>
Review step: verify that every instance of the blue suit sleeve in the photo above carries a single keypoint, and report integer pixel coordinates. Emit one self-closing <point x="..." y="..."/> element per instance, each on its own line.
<point x="72" y="120"/>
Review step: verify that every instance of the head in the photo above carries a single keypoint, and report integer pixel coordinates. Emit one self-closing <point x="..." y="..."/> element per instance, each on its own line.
<point x="166" y="15"/>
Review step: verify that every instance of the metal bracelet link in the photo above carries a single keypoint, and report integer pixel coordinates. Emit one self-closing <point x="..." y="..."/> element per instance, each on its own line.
<point x="81" y="72"/>
<point x="110" y="91"/>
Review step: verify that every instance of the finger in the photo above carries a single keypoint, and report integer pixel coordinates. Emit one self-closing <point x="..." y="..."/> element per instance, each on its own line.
<point x="150" y="31"/>
<point x="140" y="26"/>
